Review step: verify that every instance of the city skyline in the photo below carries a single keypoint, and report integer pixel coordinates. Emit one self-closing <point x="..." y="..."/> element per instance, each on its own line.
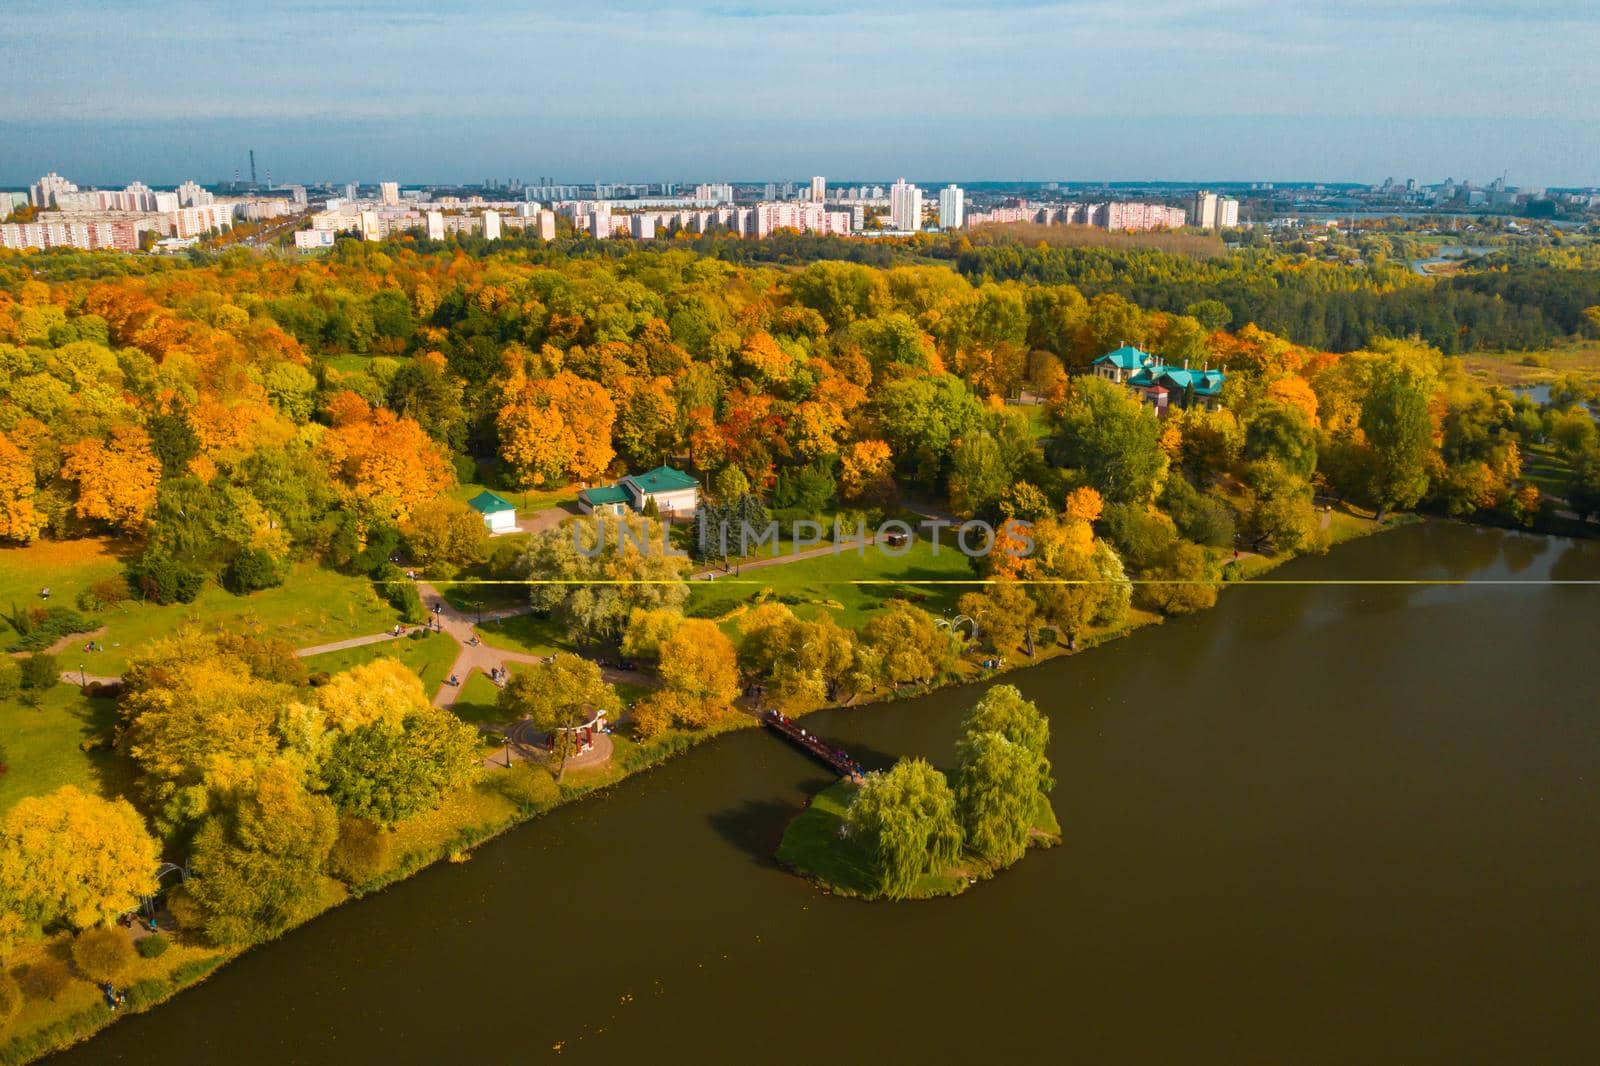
<point x="1227" y="90"/>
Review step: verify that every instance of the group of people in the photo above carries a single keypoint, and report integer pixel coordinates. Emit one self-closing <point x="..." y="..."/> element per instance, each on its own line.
<point x="94" y="645"/>
<point x="499" y="674"/>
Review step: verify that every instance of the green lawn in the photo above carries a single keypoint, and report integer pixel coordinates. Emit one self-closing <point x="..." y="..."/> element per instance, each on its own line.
<point x="824" y="583"/>
<point x="42" y="746"/>
<point x="66" y="567"/>
<point x="313" y="606"/>
<point x="477" y="703"/>
<point x="526" y="633"/>
<point x="429" y="657"/>
<point x="1544" y="466"/>
<point x="525" y="499"/>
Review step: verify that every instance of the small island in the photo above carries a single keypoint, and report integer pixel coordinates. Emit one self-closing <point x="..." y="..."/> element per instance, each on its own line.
<point x="910" y="832"/>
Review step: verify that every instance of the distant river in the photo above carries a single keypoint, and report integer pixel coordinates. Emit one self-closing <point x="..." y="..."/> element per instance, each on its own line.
<point x="1318" y="824"/>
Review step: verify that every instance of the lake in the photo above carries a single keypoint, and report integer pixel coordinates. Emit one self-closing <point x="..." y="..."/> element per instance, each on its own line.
<point x="1319" y="823"/>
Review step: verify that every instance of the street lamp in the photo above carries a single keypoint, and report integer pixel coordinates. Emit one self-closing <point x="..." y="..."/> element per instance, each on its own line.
<point x="83" y="678"/>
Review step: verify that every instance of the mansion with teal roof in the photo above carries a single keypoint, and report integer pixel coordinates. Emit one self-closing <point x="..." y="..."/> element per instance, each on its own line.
<point x="673" y="492"/>
<point x="1160" y="385"/>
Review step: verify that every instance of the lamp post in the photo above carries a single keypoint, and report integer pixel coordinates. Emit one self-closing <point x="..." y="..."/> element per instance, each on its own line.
<point x="83" y="678"/>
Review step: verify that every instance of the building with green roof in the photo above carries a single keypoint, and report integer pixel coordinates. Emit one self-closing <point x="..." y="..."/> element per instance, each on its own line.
<point x="499" y="514"/>
<point x="673" y="492"/>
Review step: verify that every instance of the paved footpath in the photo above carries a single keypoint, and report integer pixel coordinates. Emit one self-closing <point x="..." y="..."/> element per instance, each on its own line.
<point x="352" y="642"/>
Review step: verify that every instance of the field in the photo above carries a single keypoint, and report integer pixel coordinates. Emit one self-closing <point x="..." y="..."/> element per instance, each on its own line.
<point x="1535" y="368"/>
<point x="824" y="583"/>
<point x="43" y="746"/>
<point x="314" y="606"/>
<point x="429" y="657"/>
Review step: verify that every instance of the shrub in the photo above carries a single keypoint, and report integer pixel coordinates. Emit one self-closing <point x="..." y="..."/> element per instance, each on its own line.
<point x="10" y="998"/>
<point x="45" y="979"/>
<point x="318" y="679"/>
<point x="401" y="592"/>
<point x="45" y="626"/>
<point x="106" y="592"/>
<point x="360" y="853"/>
<point x="529" y="787"/>
<point x="185" y="910"/>
<point x="40" y="671"/>
<point x="163" y="579"/>
<point x="153" y="946"/>
<point x="102" y="954"/>
<point x="250" y="570"/>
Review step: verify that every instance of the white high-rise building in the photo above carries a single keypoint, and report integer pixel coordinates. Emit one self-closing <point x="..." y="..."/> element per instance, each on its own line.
<point x="43" y="192"/>
<point x="819" y="189"/>
<point x="435" y="225"/>
<point x="547" y="225"/>
<point x="389" y="193"/>
<point x="905" y="206"/>
<point x="952" y="207"/>
<point x="491" y="225"/>
<point x="350" y="190"/>
<point x="190" y="194"/>
<point x="1214" y="212"/>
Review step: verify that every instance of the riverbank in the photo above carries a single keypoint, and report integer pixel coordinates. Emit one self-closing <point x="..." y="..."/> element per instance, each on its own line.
<point x="503" y="800"/>
<point x="815" y="848"/>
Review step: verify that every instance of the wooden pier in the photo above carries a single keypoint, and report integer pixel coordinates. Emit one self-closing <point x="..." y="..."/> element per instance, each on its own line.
<point x="835" y="759"/>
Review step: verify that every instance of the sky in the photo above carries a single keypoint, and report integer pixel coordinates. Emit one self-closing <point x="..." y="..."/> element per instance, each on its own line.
<point x="622" y="90"/>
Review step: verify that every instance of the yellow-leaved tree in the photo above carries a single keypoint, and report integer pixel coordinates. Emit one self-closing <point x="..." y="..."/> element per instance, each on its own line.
<point x="69" y="856"/>
<point x="116" y="478"/>
<point x="19" y="519"/>
<point x="556" y="429"/>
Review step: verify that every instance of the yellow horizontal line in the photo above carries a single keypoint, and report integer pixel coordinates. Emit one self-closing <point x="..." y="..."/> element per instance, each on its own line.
<point x="1447" y="581"/>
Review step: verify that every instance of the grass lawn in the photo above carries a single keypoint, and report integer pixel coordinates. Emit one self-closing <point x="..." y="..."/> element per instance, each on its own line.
<point x="525" y="499"/>
<point x="66" y="567"/>
<point x="429" y="657"/>
<point x="42" y="746"/>
<point x="478" y="699"/>
<point x="1544" y="466"/>
<point x="526" y="633"/>
<point x="314" y="606"/>
<point x="824" y="583"/>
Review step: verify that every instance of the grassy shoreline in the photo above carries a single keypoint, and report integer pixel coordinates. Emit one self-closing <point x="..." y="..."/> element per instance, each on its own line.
<point x="488" y="809"/>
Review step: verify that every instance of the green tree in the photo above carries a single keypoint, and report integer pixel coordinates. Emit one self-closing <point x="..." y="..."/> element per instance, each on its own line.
<point x="386" y="774"/>
<point x="557" y="697"/>
<point x="258" y="859"/>
<point x="1399" y="429"/>
<point x="909" y="646"/>
<point x="997" y="795"/>
<point x="1113" y="439"/>
<point x="904" y="820"/>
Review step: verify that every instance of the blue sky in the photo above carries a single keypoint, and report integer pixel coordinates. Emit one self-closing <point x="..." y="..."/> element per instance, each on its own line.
<point x="624" y="90"/>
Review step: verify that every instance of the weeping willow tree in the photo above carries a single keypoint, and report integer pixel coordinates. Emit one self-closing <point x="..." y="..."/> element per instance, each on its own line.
<point x="1002" y="774"/>
<point x="904" y="818"/>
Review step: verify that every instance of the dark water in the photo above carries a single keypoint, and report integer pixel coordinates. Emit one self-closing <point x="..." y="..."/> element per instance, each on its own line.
<point x="1316" y="824"/>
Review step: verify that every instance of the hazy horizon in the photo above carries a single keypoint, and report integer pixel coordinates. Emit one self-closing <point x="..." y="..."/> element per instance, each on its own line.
<point x="1076" y="90"/>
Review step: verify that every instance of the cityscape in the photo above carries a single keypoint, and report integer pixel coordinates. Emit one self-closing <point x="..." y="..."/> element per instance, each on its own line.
<point x="55" y="213"/>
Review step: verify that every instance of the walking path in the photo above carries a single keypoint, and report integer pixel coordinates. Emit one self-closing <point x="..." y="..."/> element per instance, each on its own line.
<point x="341" y="645"/>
